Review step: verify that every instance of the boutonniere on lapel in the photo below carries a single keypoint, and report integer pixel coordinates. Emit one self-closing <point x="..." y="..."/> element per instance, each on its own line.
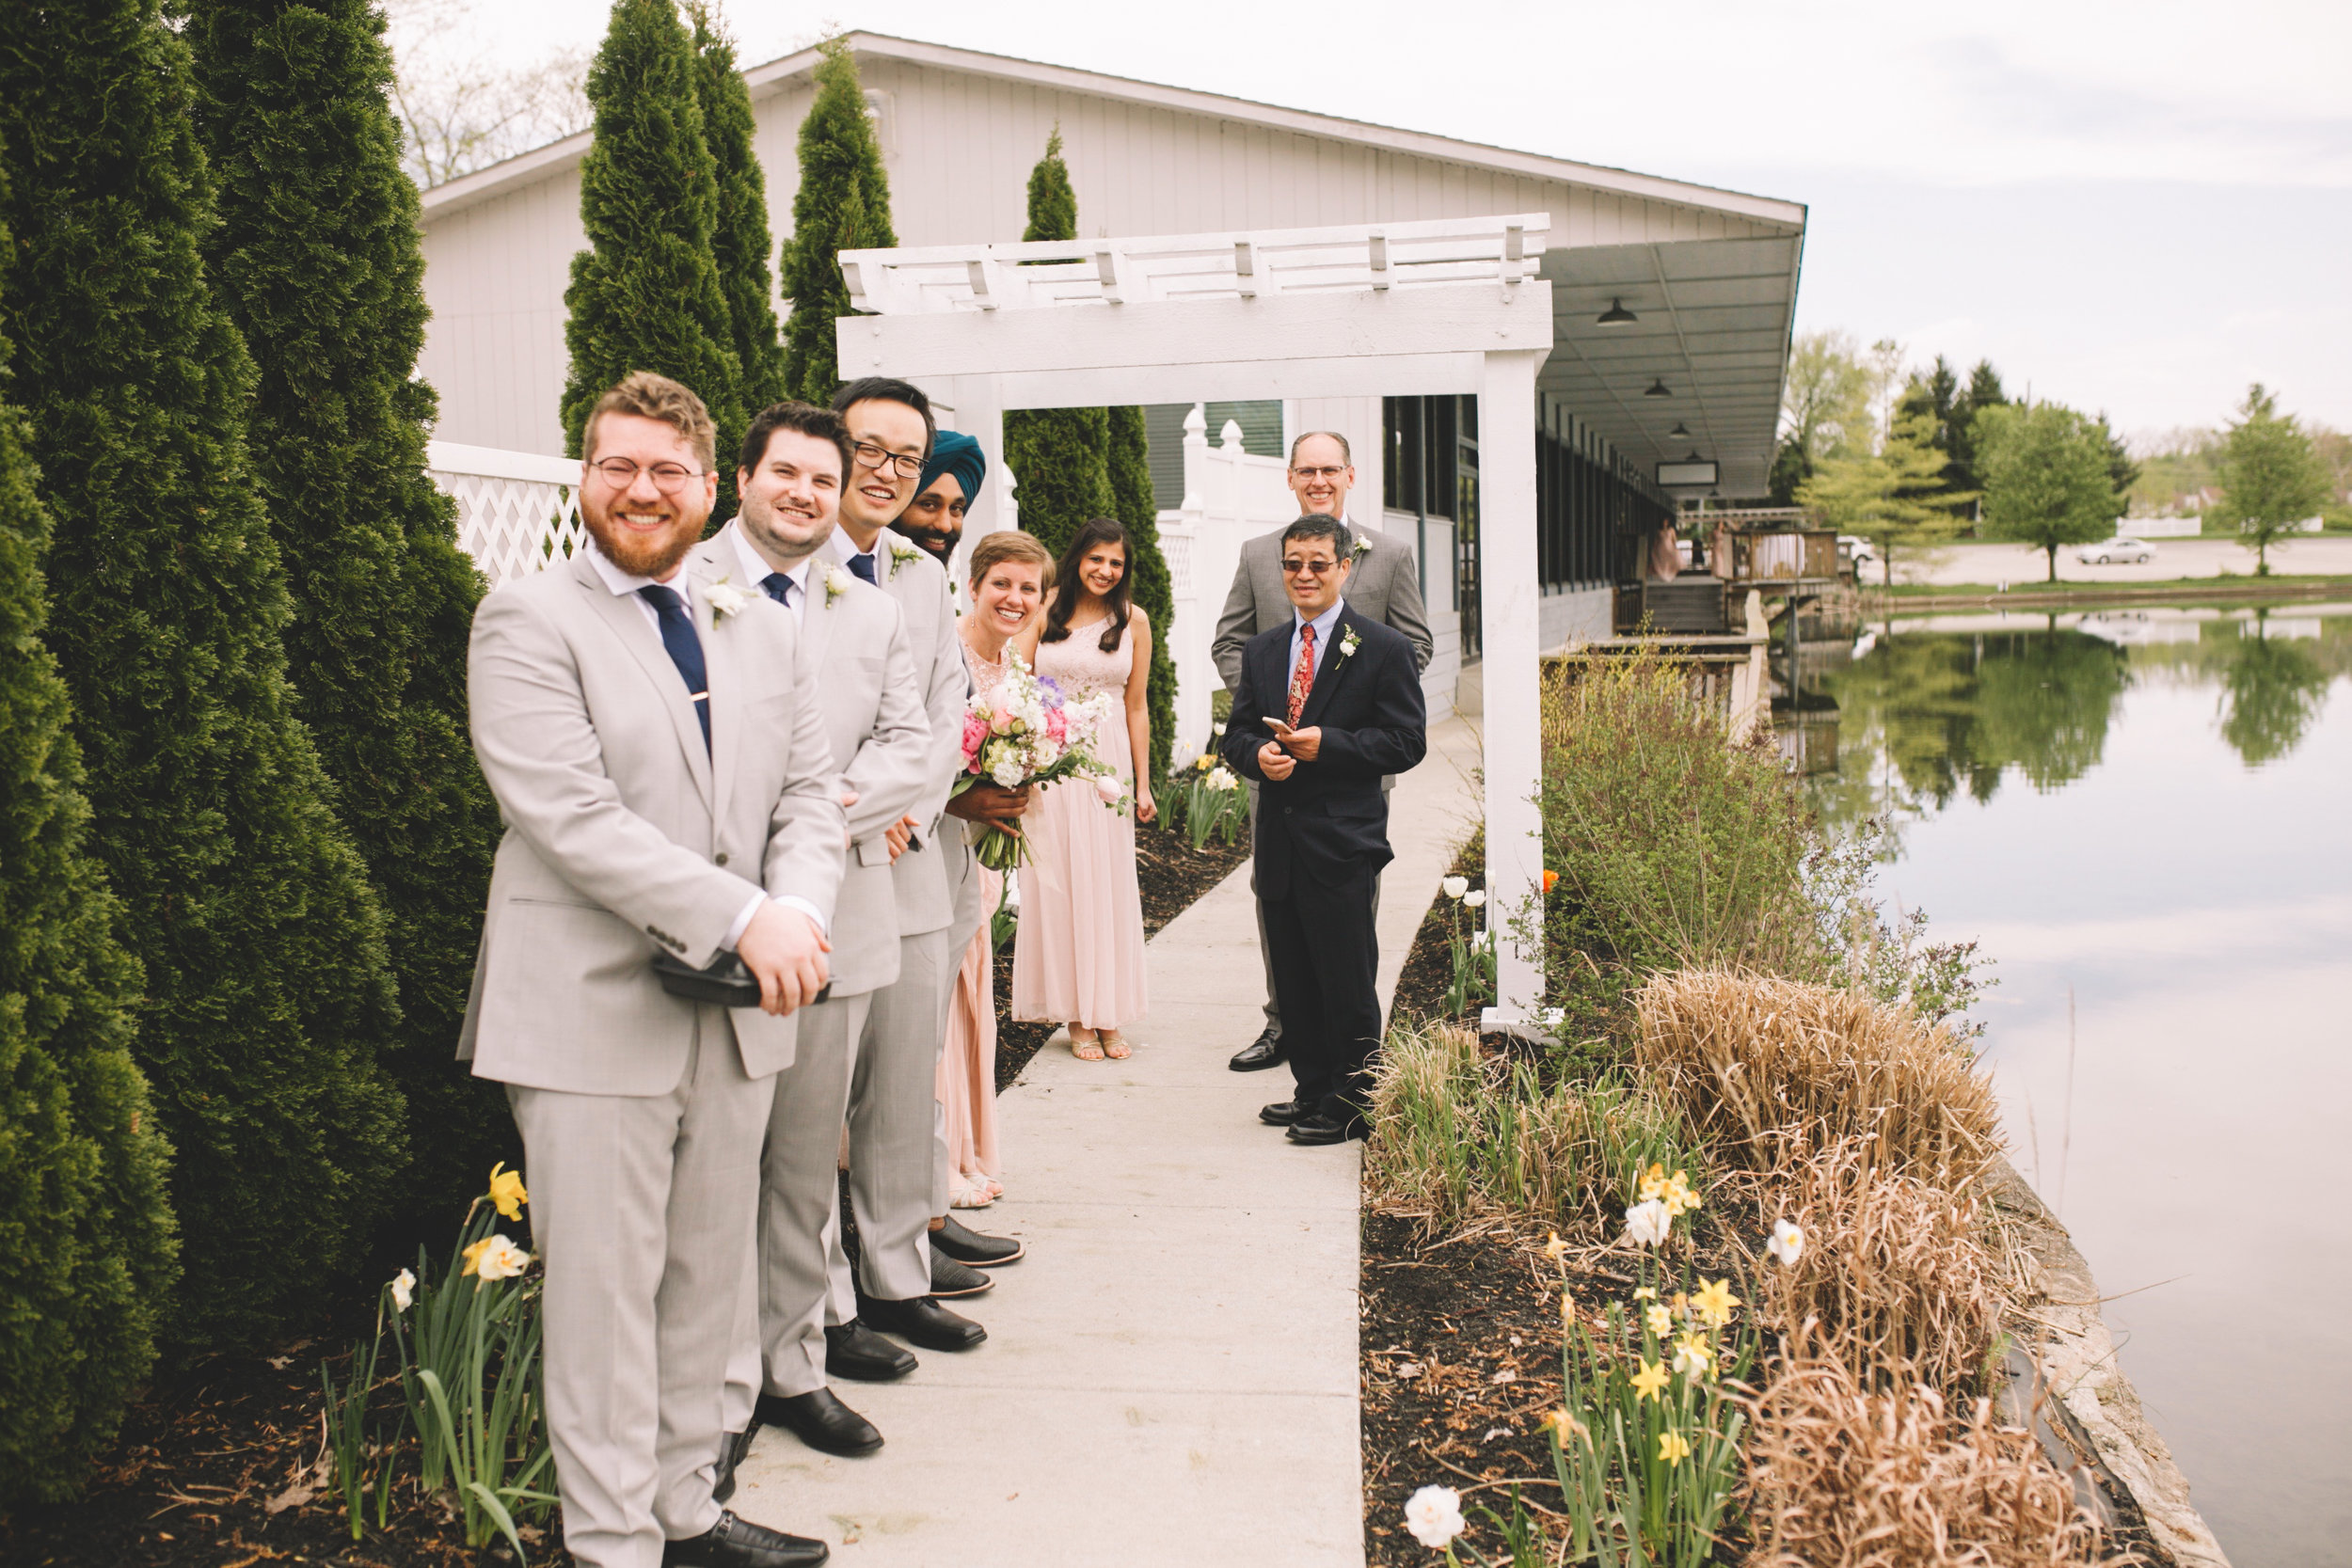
<point x="837" y="580"/>
<point x="725" y="597"/>
<point x="1364" y="548"/>
<point x="902" y="551"/>
<point x="1348" y="641"/>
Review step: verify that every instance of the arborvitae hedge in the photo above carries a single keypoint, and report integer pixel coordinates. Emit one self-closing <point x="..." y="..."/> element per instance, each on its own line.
<point x="267" y="992"/>
<point x="740" y="241"/>
<point x="1060" y="457"/>
<point x="843" y="204"/>
<point x="645" y="294"/>
<point x="318" y="262"/>
<point x="1133" y="504"/>
<point x="88" y="1256"/>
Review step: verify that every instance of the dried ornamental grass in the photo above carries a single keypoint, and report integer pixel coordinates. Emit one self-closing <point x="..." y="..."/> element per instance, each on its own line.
<point x="1897" y="1279"/>
<point x="1760" y="1068"/>
<point x="1839" y="1477"/>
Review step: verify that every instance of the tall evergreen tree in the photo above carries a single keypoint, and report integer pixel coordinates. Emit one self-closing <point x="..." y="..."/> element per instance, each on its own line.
<point x="318" y="262"/>
<point x="645" y="294"/>
<point x="1060" y="456"/>
<point x="740" y="240"/>
<point x="843" y="204"/>
<point x="268" y="990"/>
<point x="87" y="1248"/>
<point x="1133" y="503"/>
<point x="1893" y="497"/>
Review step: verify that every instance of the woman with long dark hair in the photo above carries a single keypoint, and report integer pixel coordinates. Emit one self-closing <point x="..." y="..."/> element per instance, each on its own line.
<point x="1078" y="956"/>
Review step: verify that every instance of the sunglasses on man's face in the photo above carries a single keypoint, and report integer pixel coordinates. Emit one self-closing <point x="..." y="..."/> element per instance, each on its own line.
<point x="1293" y="566"/>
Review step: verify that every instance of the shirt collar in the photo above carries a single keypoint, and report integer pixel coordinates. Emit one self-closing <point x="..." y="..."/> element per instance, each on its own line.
<point x="844" y="546"/>
<point x="622" y="583"/>
<point x="1321" y="623"/>
<point x="755" y="567"/>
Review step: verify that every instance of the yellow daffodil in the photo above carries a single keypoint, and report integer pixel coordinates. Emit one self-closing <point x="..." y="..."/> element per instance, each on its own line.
<point x="1694" y="1354"/>
<point x="1645" y="1294"/>
<point x="1567" y="1308"/>
<point x="1661" y="1322"/>
<point x="506" y="1191"/>
<point x="1678" y="1196"/>
<point x="1715" y="1301"/>
<point x="1556" y="1249"/>
<point x="1560" y="1424"/>
<point x="1653" y="1183"/>
<point x="1649" y="1381"/>
<point x="1682" y="1308"/>
<point x="495" y="1256"/>
<point x="1673" y="1448"/>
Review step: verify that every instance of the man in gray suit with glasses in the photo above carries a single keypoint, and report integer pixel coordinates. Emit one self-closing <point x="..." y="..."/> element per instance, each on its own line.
<point x="658" y="749"/>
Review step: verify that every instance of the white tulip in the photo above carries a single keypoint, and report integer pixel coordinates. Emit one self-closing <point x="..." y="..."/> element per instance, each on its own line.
<point x="1648" y="1224"/>
<point x="1474" y="900"/>
<point x="403" y="1289"/>
<point x="1788" y="1243"/>
<point x="1434" y="1514"/>
<point x="1454" y="887"/>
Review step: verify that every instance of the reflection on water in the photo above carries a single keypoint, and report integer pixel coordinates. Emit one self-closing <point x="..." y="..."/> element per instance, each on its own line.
<point x="2142" y="815"/>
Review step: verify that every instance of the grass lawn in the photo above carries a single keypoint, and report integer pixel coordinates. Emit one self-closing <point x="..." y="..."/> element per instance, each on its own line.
<point x="2234" y="583"/>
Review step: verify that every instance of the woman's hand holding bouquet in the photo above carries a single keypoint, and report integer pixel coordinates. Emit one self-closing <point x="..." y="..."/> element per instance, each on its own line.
<point x="1026" y="733"/>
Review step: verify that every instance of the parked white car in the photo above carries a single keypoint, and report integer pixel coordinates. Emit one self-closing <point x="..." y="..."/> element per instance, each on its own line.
<point x="2121" y="548"/>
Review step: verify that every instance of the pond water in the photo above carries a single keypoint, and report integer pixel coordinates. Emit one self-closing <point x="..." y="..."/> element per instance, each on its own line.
<point x="2145" y="817"/>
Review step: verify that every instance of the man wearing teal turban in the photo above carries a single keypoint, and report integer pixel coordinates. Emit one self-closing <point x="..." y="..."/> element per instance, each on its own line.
<point x="935" y="519"/>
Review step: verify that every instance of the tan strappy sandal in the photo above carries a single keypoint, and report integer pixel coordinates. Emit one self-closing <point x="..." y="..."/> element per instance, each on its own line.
<point x="1114" y="1044"/>
<point x="1087" y="1050"/>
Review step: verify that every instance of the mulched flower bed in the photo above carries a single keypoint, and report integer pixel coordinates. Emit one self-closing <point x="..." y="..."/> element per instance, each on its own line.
<point x="218" y="1466"/>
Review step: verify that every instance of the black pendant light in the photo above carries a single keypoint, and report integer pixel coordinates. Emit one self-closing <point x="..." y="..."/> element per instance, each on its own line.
<point x="1617" y="315"/>
<point x="1679" y="432"/>
<point x="1658" y="389"/>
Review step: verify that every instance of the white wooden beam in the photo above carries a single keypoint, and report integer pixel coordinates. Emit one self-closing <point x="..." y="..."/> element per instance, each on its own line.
<point x="1510" y="648"/>
<point x="1380" y="376"/>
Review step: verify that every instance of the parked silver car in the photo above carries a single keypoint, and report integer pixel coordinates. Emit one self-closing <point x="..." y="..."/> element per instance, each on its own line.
<point x="2121" y="548"/>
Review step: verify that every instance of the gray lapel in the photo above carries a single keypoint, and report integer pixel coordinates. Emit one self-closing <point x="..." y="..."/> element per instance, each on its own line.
<point x="816" y="615"/>
<point x="628" y="623"/>
<point x="727" y="684"/>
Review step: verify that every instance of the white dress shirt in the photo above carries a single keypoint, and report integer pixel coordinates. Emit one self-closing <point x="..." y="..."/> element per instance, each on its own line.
<point x="1323" y="624"/>
<point x="845" y="550"/>
<point x="626" y="585"/>
<point x="757" y="570"/>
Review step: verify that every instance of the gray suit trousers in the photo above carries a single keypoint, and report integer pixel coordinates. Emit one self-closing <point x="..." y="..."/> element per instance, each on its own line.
<point x="894" y="1114"/>
<point x="780" y="1312"/>
<point x="639" y="1205"/>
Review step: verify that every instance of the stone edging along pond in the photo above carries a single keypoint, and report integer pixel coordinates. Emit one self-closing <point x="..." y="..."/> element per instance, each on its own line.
<point x="2101" y="1425"/>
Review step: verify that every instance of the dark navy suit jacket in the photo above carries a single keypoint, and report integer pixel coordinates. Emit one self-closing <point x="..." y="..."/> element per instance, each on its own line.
<point x="1328" y="819"/>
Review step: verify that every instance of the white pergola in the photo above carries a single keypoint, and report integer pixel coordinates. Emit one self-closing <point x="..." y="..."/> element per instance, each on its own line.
<point x="1400" y="309"/>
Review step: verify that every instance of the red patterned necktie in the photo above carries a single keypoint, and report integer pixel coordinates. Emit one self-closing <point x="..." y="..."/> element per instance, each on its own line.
<point x="1303" y="679"/>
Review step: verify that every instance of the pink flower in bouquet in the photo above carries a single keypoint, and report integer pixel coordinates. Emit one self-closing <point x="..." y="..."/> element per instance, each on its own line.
<point x="1057" y="724"/>
<point x="975" y="734"/>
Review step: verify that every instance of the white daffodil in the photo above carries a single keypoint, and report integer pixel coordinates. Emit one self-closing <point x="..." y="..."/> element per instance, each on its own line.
<point x="1454" y="887"/>
<point x="1222" y="778"/>
<point x="725" y="597"/>
<point x="1788" y="1243"/>
<point x="1475" y="898"/>
<point x="495" y="1256"/>
<point x="403" y="1289"/>
<point x="1217" y="730"/>
<point x="1646" y="1224"/>
<point x="1434" y="1514"/>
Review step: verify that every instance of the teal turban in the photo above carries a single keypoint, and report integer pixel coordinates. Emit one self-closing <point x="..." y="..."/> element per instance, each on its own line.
<point x="954" y="452"/>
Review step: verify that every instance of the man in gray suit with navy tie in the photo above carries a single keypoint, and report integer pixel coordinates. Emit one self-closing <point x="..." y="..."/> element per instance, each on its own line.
<point x="1384" y="582"/>
<point x="657" y="747"/>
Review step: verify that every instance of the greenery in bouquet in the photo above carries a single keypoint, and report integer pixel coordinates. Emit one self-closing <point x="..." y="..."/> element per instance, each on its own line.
<point x="1026" y="733"/>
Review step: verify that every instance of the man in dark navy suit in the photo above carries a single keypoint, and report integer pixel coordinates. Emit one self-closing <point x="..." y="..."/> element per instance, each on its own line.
<point x="1328" y="702"/>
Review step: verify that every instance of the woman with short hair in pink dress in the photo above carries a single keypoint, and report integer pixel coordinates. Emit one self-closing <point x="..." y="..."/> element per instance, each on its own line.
<point x="1077" y="954"/>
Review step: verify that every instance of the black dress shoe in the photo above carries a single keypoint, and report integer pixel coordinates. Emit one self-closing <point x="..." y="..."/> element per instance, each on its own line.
<point x="857" y="1352"/>
<point x="734" y="1543"/>
<point x="821" y="1420"/>
<point x="923" y="1320"/>
<point x="951" y="1280"/>
<point x="1319" y="1129"/>
<point x="733" y="1446"/>
<point x="971" y="1249"/>
<point x="1259" y="1054"/>
<point x="1285" y="1112"/>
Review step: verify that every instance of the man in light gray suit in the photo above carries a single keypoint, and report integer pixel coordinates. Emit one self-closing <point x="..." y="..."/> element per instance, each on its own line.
<point x="1384" y="583"/>
<point x="793" y="459"/>
<point x="658" y="751"/>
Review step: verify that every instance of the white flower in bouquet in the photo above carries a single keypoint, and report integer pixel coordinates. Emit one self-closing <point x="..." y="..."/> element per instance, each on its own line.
<point x="1434" y="1514"/>
<point x="1109" y="789"/>
<point x="1009" y="769"/>
<point x="1648" y="1223"/>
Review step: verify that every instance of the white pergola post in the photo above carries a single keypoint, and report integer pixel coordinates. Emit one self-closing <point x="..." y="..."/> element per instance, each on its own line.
<point x="1447" y="306"/>
<point x="1510" y="648"/>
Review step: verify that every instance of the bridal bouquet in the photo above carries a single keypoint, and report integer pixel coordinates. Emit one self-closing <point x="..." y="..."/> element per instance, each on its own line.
<point x="1026" y="733"/>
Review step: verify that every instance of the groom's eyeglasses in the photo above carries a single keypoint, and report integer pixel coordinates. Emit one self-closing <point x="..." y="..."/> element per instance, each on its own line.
<point x="1293" y="566"/>
<point x="620" y="474"/>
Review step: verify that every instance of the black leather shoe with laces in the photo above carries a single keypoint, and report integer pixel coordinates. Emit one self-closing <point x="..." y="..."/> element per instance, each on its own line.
<point x="821" y="1420"/>
<point x="857" y="1352"/>
<point x="1285" y="1112"/>
<point x="1259" y="1054"/>
<point x="1318" y="1130"/>
<point x="734" y="1543"/>
<point x="923" y="1320"/>
<point x="971" y="1249"/>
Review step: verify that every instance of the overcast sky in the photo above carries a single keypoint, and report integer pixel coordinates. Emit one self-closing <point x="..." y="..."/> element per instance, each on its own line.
<point x="2134" y="207"/>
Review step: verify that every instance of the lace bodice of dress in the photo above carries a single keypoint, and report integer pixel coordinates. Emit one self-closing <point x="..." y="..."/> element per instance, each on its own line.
<point x="987" y="675"/>
<point x="1079" y="665"/>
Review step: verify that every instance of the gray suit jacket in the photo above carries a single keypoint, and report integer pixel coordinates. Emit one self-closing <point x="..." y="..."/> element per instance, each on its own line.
<point x="623" y="834"/>
<point x="855" y="637"/>
<point x="925" y="879"/>
<point x="1383" y="585"/>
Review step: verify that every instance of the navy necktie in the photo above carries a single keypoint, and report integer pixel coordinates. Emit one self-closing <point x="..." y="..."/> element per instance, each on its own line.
<point x="686" y="649"/>
<point x="864" y="566"/>
<point x="778" y="587"/>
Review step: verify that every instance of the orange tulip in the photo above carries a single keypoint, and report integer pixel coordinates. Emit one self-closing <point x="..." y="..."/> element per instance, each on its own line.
<point x="1552" y="879"/>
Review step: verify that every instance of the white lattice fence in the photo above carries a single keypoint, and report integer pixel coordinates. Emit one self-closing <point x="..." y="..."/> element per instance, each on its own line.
<point x="516" y="511"/>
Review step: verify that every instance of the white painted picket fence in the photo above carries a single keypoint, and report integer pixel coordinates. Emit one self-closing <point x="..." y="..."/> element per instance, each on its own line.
<point x="516" y="511"/>
<point x="1230" y="497"/>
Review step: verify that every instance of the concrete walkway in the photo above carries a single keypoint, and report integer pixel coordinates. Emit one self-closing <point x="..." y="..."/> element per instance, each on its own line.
<point x="1170" y="1375"/>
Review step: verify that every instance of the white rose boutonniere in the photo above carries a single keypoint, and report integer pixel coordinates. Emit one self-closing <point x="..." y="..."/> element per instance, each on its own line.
<point x="1349" y="642"/>
<point x="1364" y="548"/>
<point x="902" y="551"/>
<point x="725" y="597"/>
<point x="837" y="581"/>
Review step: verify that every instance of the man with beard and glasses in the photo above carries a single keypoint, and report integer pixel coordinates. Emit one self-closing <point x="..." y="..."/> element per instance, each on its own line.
<point x="790" y="477"/>
<point x="896" y="1141"/>
<point x="657" y="746"/>
<point x="934" y="518"/>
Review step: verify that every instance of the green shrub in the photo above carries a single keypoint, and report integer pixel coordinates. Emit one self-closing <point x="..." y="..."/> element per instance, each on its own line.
<point x="86" y="1249"/>
<point x="268" y="993"/>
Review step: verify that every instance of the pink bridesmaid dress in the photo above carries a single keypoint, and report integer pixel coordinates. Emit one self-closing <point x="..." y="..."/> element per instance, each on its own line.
<point x="967" y="1066"/>
<point x="1077" y="955"/>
